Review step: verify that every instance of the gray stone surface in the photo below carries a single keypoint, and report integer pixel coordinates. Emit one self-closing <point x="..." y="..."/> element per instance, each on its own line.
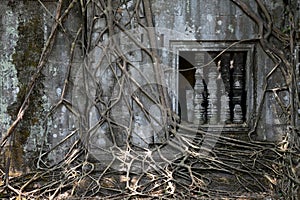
<point x="193" y="20"/>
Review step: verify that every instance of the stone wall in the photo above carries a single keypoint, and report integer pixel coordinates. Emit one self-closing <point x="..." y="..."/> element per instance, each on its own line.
<point x="24" y="30"/>
<point x="22" y="41"/>
<point x="223" y="21"/>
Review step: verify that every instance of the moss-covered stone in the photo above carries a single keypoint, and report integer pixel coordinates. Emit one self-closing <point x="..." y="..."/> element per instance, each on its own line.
<point x="26" y="59"/>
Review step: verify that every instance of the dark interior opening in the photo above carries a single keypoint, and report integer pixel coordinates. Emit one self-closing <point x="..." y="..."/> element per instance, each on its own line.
<point x="186" y="81"/>
<point x="230" y="67"/>
<point x="230" y="76"/>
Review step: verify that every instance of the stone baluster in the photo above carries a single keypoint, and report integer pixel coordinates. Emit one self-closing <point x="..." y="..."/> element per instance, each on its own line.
<point x="224" y="100"/>
<point x="219" y="67"/>
<point x="238" y="87"/>
<point x="213" y="94"/>
<point x="238" y="114"/>
<point x="231" y="64"/>
<point x="199" y="110"/>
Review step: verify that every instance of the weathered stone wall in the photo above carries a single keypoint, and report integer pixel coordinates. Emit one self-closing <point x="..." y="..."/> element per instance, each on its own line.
<point x="221" y="21"/>
<point x="204" y="20"/>
<point x="25" y="27"/>
<point x="22" y="41"/>
<point x="9" y="80"/>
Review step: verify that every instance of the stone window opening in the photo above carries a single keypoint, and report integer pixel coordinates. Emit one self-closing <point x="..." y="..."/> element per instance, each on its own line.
<point x="221" y="85"/>
<point x="228" y="68"/>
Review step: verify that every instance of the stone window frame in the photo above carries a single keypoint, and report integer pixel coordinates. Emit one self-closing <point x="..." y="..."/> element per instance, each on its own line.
<point x="177" y="46"/>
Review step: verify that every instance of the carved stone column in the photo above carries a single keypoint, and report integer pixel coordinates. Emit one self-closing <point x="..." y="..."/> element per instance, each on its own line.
<point x="224" y="99"/>
<point x="199" y="89"/>
<point x="238" y="114"/>
<point x="238" y="88"/>
<point x="213" y="94"/>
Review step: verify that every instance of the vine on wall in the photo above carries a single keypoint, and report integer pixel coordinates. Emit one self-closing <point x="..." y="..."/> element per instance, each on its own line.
<point x="246" y="168"/>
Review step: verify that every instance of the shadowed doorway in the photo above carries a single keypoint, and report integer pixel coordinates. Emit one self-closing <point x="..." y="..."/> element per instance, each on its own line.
<point x="186" y="83"/>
